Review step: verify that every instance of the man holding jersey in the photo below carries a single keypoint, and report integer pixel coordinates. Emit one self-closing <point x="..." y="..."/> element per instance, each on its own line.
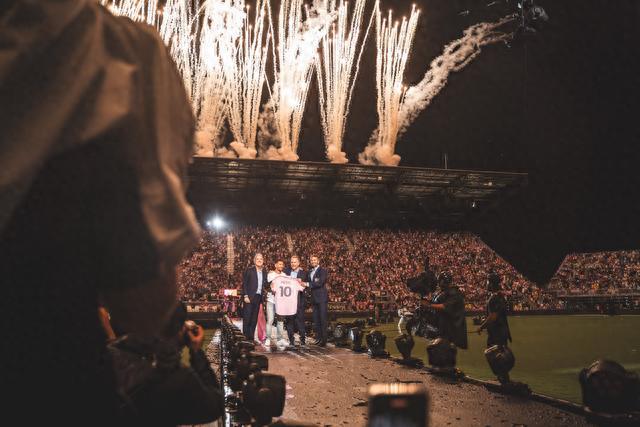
<point x="286" y="290"/>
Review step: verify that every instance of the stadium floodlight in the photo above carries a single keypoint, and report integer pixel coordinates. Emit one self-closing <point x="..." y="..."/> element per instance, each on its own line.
<point x="501" y="360"/>
<point x="340" y="335"/>
<point x="217" y="223"/>
<point x="376" y="341"/>
<point x="442" y="354"/>
<point x="608" y="387"/>
<point x="405" y="344"/>
<point x="355" y="335"/>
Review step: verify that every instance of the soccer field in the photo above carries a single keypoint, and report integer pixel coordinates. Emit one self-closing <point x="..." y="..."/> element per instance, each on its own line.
<point x="550" y="350"/>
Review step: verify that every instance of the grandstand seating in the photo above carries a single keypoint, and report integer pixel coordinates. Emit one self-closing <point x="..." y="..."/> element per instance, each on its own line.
<point x="360" y="262"/>
<point x="598" y="273"/>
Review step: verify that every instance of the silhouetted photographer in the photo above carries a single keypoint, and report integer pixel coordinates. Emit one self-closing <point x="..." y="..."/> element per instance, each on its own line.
<point x="448" y="304"/>
<point x="447" y="308"/>
<point x="499" y="356"/>
<point x="496" y="323"/>
<point x="423" y="322"/>
<point x="425" y="283"/>
<point x="155" y="387"/>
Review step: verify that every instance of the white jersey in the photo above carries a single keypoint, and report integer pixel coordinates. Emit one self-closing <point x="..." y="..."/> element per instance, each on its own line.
<point x="270" y="295"/>
<point x="287" y="289"/>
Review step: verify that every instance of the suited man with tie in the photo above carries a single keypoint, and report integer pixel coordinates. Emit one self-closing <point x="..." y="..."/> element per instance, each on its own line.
<point x="298" y="273"/>
<point x="319" y="299"/>
<point x="254" y="281"/>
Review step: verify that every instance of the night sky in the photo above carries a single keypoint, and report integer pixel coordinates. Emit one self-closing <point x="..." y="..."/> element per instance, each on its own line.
<point x="561" y="105"/>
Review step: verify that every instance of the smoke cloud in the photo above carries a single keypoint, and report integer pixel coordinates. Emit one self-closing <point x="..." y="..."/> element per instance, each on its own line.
<point x="456" y="55"/>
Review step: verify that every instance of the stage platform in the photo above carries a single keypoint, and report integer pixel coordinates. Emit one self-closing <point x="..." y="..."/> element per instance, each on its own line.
<point x="328" y="386"/>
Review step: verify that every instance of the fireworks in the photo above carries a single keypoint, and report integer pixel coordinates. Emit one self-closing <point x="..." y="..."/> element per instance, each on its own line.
<point x="340" y="57"/>
<point x="456" y="55"/>
<point x="393" y="47"/>
<point x="221" y="54"/>
<point x="220" y="32"/>
<point x="245" y="70"/>
<point x="299" y="32"/>
<point x="137" y="10"/>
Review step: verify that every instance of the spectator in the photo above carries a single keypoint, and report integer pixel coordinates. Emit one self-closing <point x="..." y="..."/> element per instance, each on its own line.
<point x="598" y="273"/>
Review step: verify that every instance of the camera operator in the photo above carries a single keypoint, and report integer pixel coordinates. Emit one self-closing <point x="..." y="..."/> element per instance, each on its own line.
<point x="156" y="388"/>
<point x="497" y="327"/>
<point x="425" y="283"/>
<point x="448" y="303"/>
<point x="496" y="323"/>
<point x="418" y="320"/>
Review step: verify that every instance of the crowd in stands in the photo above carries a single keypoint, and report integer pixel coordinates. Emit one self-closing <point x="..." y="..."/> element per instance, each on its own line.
<point x="598" y="273"/>
<point x="362" y="263"/>
<point x="204" y="272"/>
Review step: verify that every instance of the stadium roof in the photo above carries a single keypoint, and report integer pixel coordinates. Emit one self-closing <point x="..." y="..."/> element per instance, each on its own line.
<point x="315" y="192"/>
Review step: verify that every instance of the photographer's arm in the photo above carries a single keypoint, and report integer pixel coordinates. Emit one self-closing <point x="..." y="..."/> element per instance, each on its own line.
<point x="426" y="304"/>
<point x="105" y="321"/>
<point x="198" y="359"/>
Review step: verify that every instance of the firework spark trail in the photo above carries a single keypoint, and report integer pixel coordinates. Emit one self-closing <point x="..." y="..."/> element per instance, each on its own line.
<point x="177" y="28"/>
<point x="200" y="35"/>
<point x="175" y="24"/>
<point x="245" y="71"/>
<point x="335" y="72"/>
<point x="298" y="36"/>
<point x="220" y="33"/>
<point x="393" y="47"/>
<point x="136" y="10"/>
<point x="456" y="55"/>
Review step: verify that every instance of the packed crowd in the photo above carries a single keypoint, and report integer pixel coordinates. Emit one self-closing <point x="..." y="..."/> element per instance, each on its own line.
<point x="203" y="273"/>
<point x="363" y="263"/>
<point x="598" y="273"/>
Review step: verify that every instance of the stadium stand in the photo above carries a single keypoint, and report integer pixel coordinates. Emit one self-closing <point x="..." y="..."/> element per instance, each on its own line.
<point x="598" y="273"/>
<point x="361" y="264"/>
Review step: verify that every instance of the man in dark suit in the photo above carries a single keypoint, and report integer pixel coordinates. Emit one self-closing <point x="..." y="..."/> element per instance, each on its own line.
<point x="254" y="282"/>
<point x="319" y="299"/>
<point x="298" y="273"/>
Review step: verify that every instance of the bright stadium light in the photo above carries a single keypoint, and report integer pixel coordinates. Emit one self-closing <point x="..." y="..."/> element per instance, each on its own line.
<point x="216" y="223"/>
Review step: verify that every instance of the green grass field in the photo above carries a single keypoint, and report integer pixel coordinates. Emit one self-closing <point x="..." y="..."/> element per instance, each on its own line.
<point x="550" y="350"/>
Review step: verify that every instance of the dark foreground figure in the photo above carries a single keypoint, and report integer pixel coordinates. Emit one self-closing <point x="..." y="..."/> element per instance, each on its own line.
<point x="155" y="387"/>
<point x="96" y="134"/>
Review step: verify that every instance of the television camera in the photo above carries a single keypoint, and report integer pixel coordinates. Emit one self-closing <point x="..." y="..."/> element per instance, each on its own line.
<point x="422" y="322"/>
